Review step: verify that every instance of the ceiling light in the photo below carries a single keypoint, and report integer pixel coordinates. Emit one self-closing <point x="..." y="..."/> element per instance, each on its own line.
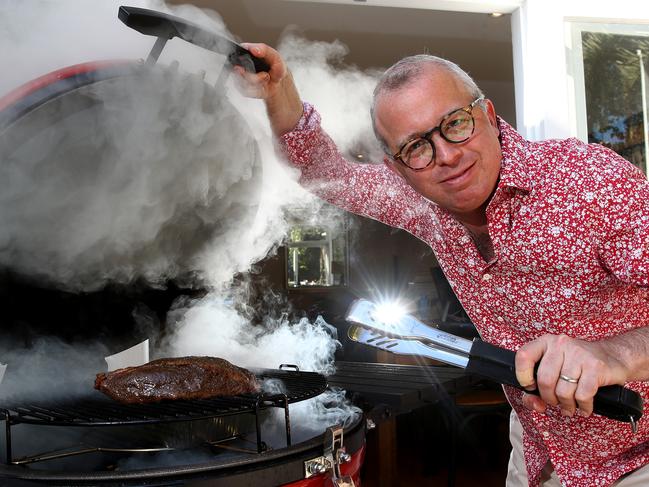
<point x="495" y="15"/>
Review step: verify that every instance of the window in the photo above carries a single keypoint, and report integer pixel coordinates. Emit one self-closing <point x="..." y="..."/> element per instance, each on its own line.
<point x="317" y="250"/>
<point x="610" y="63"/>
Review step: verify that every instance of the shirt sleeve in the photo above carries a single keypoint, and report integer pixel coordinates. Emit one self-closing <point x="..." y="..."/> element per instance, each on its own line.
<point x="370" y="190"/>
<point x="624" y="218"/>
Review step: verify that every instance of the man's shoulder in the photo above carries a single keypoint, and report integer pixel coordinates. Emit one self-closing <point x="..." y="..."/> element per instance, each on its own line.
<point x="574" y="158"/>
<point x="588" y="179"/>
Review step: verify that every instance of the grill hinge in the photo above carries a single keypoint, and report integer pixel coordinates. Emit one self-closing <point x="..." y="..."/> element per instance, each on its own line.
<point x="334" y="456"/>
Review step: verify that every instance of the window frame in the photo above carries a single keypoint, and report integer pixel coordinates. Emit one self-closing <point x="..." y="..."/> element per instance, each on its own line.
<point x="576" y="67"/>
<point x="334" y="232"/>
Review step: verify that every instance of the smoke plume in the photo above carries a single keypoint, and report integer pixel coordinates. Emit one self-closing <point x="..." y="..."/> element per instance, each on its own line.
<point x="159" y="176"/>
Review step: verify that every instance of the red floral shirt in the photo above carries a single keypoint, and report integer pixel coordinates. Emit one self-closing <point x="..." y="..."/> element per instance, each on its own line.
<point x="569" y="224"/>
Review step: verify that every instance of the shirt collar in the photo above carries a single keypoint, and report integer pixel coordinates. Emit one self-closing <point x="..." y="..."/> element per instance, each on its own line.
<point x="513" y="168"/>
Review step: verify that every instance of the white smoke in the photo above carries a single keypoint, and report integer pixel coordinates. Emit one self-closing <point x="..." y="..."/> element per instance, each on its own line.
<point x="161" y="181"/>
<point x="142" y="175"/>
<point x="192" y="207"/>
<point x="212" y="326"/>
<point x="49" y="369"/>
<point x="341" y="93"/>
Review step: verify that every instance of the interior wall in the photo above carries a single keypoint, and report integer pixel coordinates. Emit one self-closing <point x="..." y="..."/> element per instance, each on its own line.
<point x="379" y="36"/>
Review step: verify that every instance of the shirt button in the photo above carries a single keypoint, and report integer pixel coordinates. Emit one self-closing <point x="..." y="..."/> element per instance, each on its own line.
<point x="546" y="435"/>
<point x="500" y="318"/>
<point x="486" y="277"/>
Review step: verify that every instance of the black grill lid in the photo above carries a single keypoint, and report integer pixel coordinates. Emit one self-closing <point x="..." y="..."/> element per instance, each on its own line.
<point x="123" y="137"/>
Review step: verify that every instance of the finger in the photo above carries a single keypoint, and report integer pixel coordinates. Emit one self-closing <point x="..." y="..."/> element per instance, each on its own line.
<point x="526" y="358"/>
<point x="547" y="375"/>
<point x="535" y="403"/>
<point x="251" y="84"/>
<point x="253" y="79"/>
<point x="565" y="390"/>
<point x="257" y="49"/>
<point x="277" y="69"/>
<point x="585" y="393"/>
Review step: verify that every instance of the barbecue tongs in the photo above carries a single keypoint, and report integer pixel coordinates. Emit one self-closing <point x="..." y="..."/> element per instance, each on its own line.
<point x="405" y="335"/>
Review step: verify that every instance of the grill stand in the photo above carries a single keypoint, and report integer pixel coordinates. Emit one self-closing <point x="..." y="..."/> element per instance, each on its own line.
<point x="262" y="402"/>
<point x="7" y="418"/>
<point x="300" y="386"/>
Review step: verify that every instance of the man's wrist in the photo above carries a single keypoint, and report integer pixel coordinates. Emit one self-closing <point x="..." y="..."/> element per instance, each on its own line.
<point x="284" y="108"/>
<point x="631" y="349"/>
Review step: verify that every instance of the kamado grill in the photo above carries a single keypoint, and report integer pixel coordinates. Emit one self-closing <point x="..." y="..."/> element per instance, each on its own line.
<point x="90" y="439"/>
<point x="220" y="441"/>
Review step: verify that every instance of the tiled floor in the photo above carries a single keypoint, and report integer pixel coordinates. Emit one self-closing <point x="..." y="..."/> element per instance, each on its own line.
<point x="424" y="448"/>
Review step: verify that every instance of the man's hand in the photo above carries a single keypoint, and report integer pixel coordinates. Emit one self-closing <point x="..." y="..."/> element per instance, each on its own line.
<point x="590" y="364"/>
<point x="263" y="84"/>
<point x="275" y="87"/>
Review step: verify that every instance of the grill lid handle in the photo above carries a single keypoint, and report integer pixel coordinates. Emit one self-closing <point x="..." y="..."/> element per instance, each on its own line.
<point x="166" y="27"/>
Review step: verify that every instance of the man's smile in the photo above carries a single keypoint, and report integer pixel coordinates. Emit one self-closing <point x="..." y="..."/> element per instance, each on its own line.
<point x="458" y="177"/>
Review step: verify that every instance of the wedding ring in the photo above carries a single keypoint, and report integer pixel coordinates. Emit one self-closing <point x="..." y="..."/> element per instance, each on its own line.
<point x="568" y="379"/>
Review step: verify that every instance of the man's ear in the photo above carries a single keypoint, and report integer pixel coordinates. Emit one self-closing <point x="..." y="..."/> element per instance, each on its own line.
<point x="490" y="110"/>
<point x="393" y="166"/>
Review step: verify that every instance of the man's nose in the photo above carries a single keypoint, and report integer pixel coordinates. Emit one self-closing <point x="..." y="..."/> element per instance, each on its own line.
<point x="446" y="153"/>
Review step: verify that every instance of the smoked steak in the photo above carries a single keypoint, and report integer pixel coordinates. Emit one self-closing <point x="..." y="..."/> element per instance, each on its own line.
<point x="176" y="378"/>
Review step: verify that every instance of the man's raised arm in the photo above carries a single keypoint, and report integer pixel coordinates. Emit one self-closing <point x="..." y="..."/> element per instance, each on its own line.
<point x="275" y="87"/>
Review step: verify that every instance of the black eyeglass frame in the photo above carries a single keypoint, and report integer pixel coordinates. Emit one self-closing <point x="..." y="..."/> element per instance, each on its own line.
<point x="428" y="136"/>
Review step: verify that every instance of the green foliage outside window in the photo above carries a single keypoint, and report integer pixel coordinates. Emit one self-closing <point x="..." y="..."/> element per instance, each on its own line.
<point x="317" y="254"/>
<point x="614" y="67"/>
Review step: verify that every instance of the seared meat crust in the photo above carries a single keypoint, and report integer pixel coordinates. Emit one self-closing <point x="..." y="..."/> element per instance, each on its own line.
<point x="176" y="378"/>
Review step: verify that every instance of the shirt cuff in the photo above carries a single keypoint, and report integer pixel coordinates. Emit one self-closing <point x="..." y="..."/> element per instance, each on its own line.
<point x="309" y="120"/>
<point x="299" y="143"/>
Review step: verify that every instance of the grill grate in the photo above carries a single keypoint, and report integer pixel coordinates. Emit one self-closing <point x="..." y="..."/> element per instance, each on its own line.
<point x="101" y="411"/>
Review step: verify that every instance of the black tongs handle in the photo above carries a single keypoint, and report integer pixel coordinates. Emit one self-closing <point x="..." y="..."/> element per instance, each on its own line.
<point x="498" y="364"/>
<point x="165" y="26"/>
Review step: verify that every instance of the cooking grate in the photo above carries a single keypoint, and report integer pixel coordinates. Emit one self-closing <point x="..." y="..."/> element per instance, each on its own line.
<point x="295" y="386"/>
<point x="101" y="411"/>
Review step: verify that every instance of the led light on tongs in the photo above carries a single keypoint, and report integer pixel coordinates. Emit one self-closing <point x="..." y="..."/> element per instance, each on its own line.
<point x="389" y="312"/>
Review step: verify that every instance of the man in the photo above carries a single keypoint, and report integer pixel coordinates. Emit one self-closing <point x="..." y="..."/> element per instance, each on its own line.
<point x="545" y="244"/>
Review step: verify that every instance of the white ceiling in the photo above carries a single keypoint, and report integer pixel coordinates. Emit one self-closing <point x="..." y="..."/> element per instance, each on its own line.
<point x="476" y="6"/>
<point x="379" y="32"/>
<point x="368" y="18"/>
<point x="378" y="36"/>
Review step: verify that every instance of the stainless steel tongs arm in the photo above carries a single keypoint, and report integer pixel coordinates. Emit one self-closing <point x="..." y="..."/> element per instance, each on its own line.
<point x="401" y="346"/>
<point x="406" y="327"/>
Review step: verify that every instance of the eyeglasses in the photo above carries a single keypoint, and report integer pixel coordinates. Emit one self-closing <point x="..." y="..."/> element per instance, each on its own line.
<point x="456" y="127"/>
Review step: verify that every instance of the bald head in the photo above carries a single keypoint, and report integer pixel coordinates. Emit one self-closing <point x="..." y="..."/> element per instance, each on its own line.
<point x="411" y="69"/>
